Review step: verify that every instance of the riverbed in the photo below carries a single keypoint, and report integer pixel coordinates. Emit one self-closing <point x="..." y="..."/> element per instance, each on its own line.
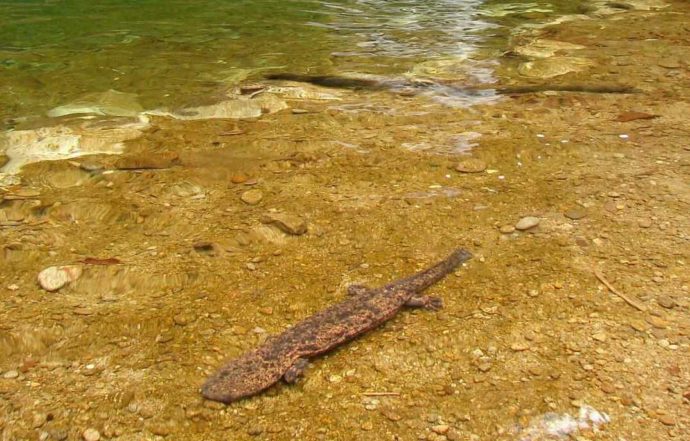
<point x="551" y="140"/>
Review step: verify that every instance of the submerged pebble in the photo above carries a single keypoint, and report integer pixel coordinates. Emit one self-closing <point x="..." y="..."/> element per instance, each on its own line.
<point x="527" y="222"/>
<point x="471" y="165"/>
<point x="91" y="434"/>
<point x="252" y="197"/>
<point x="10" y="375"/>
<point x="287" y="223"/>
<point x="575" y="214"/>
<point x="55" y="277"/>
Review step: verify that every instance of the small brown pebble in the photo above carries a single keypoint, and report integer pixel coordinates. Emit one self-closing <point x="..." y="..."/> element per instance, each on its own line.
<point x="255" y="430"/>
<point x="644" y="223"/>
<point x="182" y="319"/>
<point x="575" y="214"/>
<point x="441" y="429"/>
<point x="484" y="367"/>
<point x="391" y="415"/>
<point x="215" y="405"/>
<point x="581" y="241"/>
<point x="666" y="302"/>
<point x="453" y="435"/>
<point x="519" y="346"/>
<point x="239" y="178"/>
<point x="638" y="325"/>
<point x="599" y="336"/>
<point x="535" y="370"/>
<point x="367" y="426"/>
<point x="164" y="337"/>
<point x="507" y="229"/>
<point x="610" y="206"/>
<point x="657" y="322"/>
<point x="471" y="165"/>
<point x="667" y="420"/>
<point x="607" y="387"/>
<point x="204" y="247"/>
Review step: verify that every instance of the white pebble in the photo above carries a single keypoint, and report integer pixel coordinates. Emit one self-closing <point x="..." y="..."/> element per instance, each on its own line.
<point x="527" y="222"/>
<point x="9" y="375"/>
<point x="55" y="277"/>
<point x="91" y="435"/>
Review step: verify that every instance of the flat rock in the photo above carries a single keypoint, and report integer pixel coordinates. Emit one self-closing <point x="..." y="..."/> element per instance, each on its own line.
<point x="252" y="197"/>
<point x="287" y="223"/>
<point x="666" y="302"/>
<point x="527" y="222"/>
<point x="575" y="214"/>
<point x="268" y="233"/>
<point x="471" y="165"/>
<point x="55" y="277"/>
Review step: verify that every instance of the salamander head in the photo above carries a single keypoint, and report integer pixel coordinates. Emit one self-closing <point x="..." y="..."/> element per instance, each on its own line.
<point x="240" y="378"/>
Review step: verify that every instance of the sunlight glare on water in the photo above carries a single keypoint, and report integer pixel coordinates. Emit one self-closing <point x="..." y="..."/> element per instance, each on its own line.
<point x="171" y="53"/>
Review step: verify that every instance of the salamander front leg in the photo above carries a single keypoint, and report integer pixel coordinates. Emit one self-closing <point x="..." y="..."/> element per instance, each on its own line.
<point x="426" y="302"/>
<point x="296" y="370"/>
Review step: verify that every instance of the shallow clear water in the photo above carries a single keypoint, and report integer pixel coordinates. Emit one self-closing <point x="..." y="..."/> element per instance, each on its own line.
<point x="173" y="52"/>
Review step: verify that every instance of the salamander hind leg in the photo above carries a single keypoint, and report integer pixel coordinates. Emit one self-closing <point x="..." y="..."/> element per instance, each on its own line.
<point x="426" y="302"/>
<point x="296" y="370"/>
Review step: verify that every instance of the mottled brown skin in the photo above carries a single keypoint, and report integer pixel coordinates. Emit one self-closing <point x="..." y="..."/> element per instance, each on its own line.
<point x="285" y="355"/>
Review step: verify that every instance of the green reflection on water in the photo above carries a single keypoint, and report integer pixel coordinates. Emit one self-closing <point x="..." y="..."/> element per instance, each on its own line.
<point x="171" y="52"/>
